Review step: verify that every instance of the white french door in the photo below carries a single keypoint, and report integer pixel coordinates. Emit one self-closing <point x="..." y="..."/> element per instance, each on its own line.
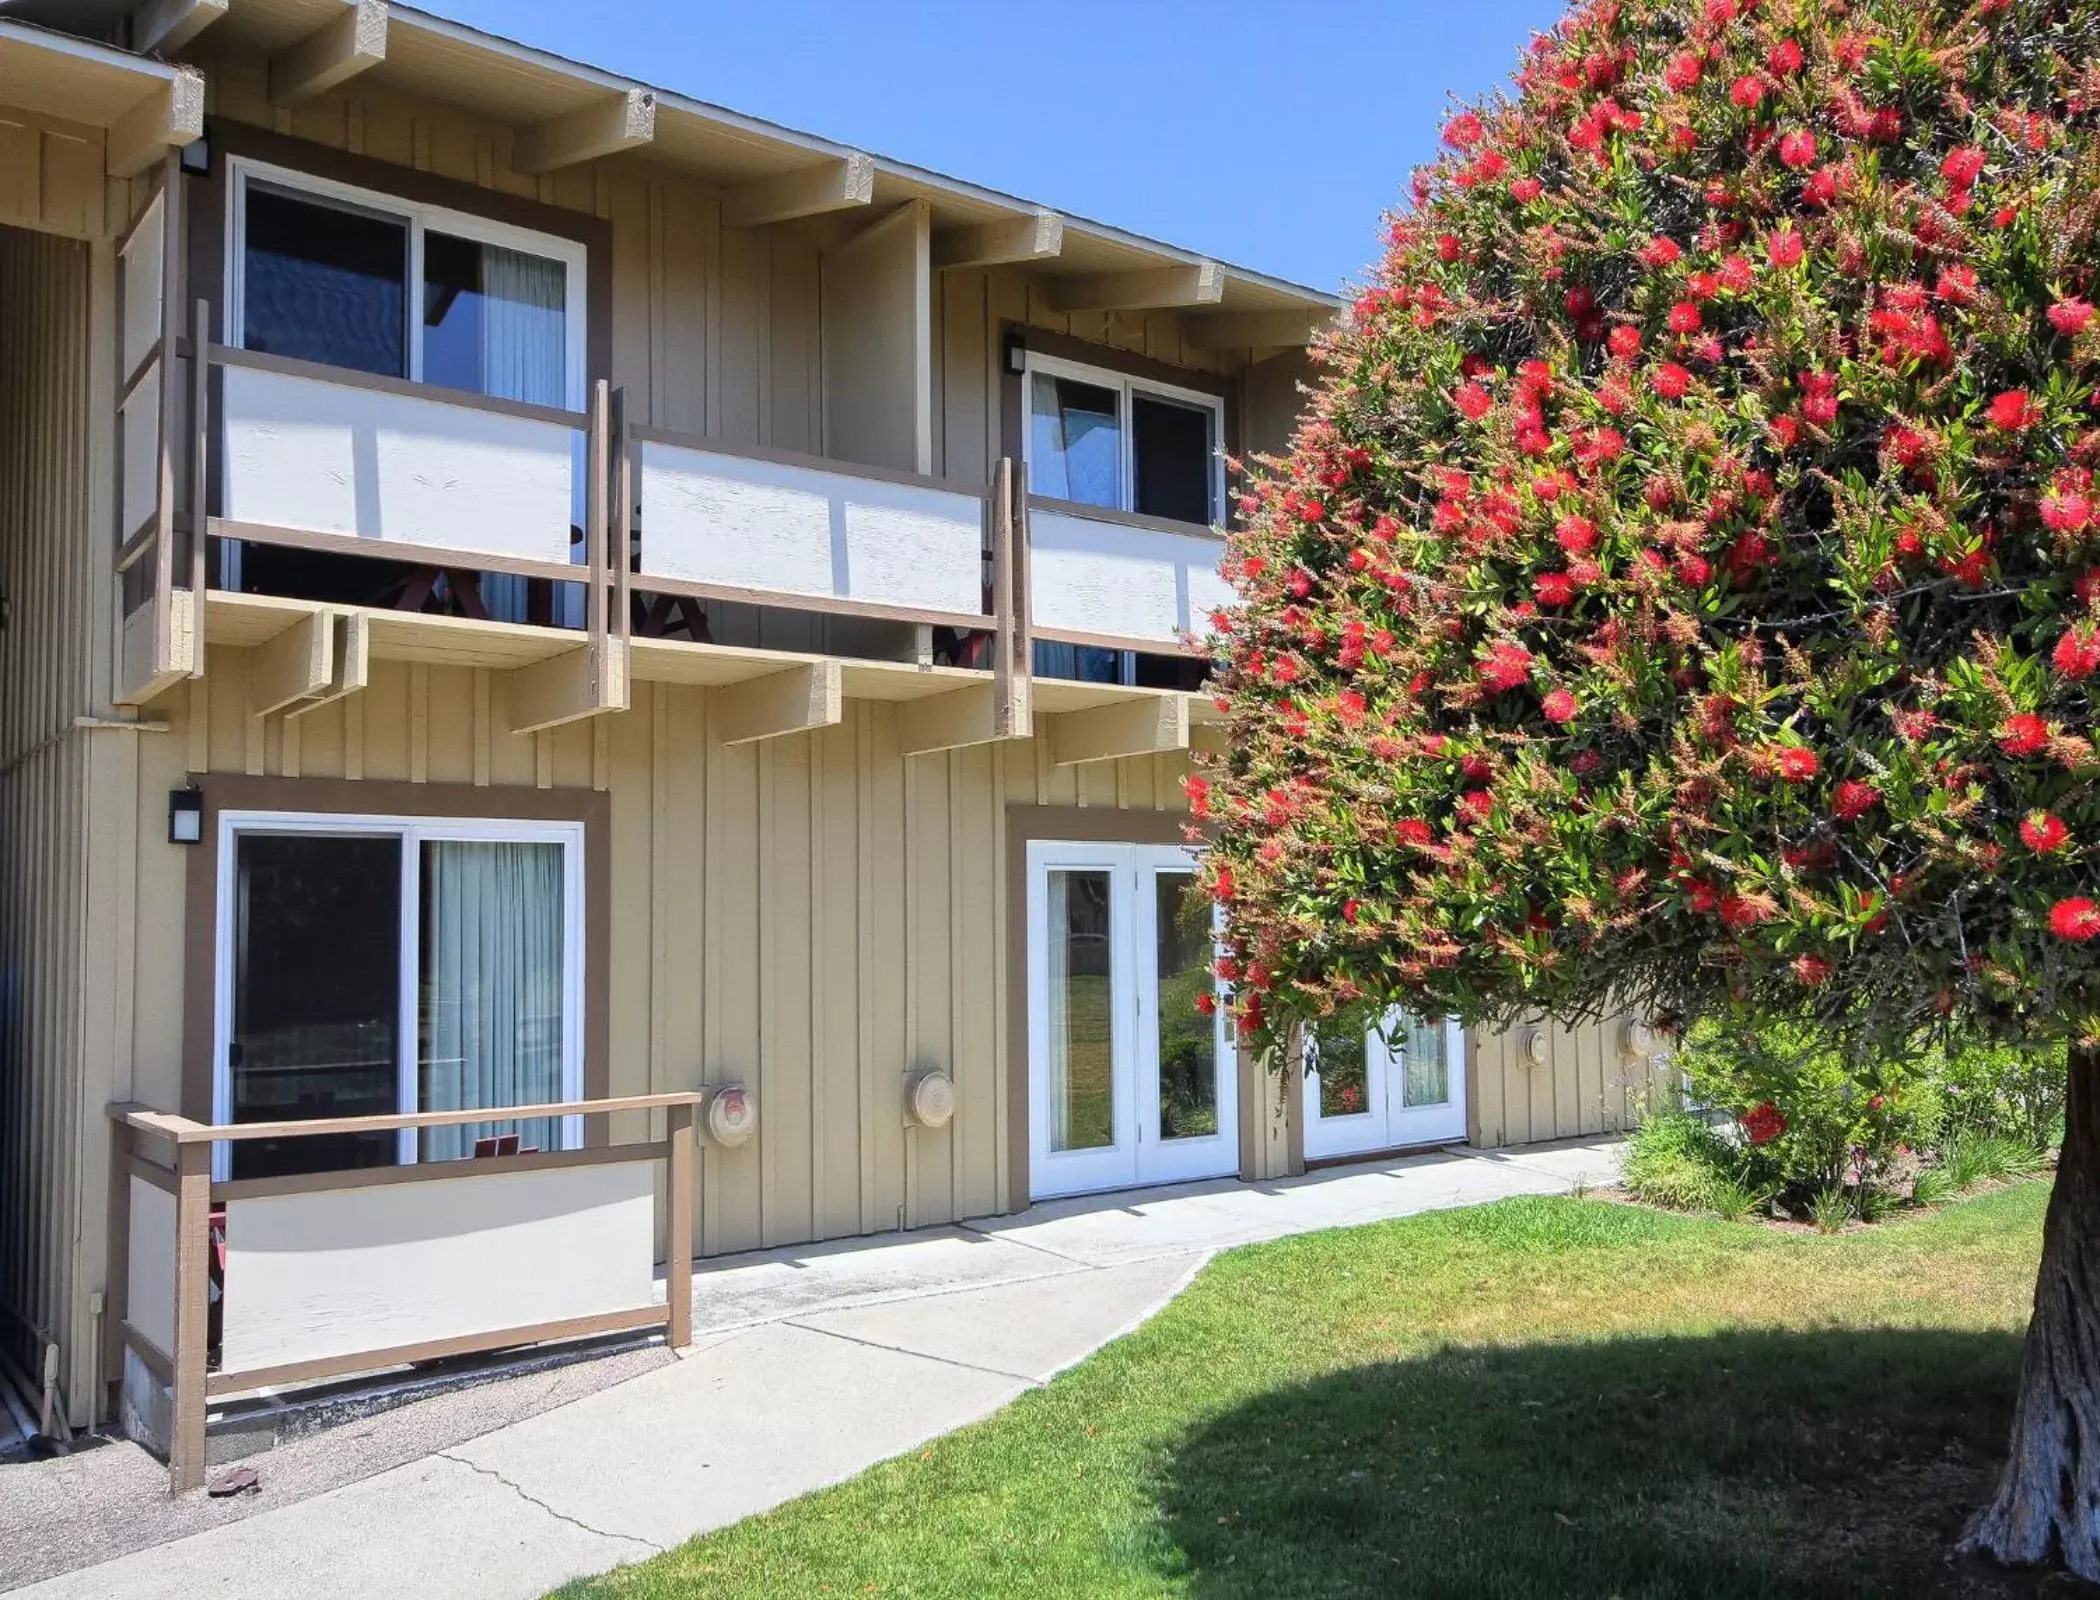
<point x="1402" y="1083"/>
<point x="1128" y="1082"/>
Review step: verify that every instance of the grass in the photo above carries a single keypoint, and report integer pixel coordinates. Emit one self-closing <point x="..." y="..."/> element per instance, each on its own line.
<point x="1539" y="1399"/>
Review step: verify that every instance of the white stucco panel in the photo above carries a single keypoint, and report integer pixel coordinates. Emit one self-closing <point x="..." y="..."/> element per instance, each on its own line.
<point x="302" y="452"/>
<point x="312" y="1276"/>
<point x="149" y="1265"/>
<point x="1109" y="578"/>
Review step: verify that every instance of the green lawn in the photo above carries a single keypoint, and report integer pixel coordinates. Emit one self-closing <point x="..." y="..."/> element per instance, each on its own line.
<point x="1543" y="1398"/>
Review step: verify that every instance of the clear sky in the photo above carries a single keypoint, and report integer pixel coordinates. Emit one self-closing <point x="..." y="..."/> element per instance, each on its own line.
<point x="1268" y="133"/>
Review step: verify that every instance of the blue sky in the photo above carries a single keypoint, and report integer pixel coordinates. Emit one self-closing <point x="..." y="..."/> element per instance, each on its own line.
<point x="1269" y="133"/>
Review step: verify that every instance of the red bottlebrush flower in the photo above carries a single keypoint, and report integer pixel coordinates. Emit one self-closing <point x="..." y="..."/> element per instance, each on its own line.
<point x="2042" y="832"/>
<point x="1797" y="149"/>
<point x="1413" y="830"/>
<point x="1736" y="275"/>
<point x="1625" y="340"/>
<point x="1559" y="706"/>
<point x="1811" y="972"/>
<point x="1702" y="895"/>
<point x="1684" y="317"/>
<point x="1963" y="166"/>
<point x="1207" y="1003"/>
<point x="2011" y="411"/>
<point x="1197" y="788"/>
<point x="1448" y="248"/>
<point x="1785" y="432"/>
<point x="2069" y="317"/>
<point x="1661" y="251"/>
<point x="2065" y="509"/>
<point x="1479" y="804"/>
<point x="2024" y="734"/>
<point x="1683" y="70"/>
<point x="1739" y="911"/>
<point x="1576" y="534"/>
<point x="1300" y="582"/>
<point x="1671" y="381"/>
<point x="1747" y="90"/>
<point x="1784" y="58"/>
<point x="1796" y="764"/>
<point x="1783" y="248"/>
<point x="1763" y="1123"/>
<point x="2077" y="653"/>
<point x="1221" y="886"/>
<point x="1464" y="131"/>
<point x="1957" y="284"/>
<point x="1505" y="666"/>
<point x="1349" y="909"/>
<point x="1693" y="570"/>
<point x="1821" y="189"/>
<point x="1854" y="799"/>
<point x="1526" y="189"/>
<point x="2076" y="919"/>
<point x="1554" y="589"/>
<point x="1473" y="400"/>
<point x="1226" y="968"/>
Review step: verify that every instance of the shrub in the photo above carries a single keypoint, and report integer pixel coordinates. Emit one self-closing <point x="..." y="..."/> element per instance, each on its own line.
<point x="1676" y="1159"/>
<point x="1992" y="1091"/>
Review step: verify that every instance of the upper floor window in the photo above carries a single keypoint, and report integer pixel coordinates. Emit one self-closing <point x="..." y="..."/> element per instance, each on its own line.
<point x="1125" y="444"/>
<point x="325" y="272"/>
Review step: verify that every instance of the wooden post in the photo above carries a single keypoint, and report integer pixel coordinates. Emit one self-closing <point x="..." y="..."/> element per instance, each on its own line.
<point x="623" y="512"/>
<point x="678" y="1247"/>
<point x="597" y="501"/>
<point x="1012" y="665"/>
<point x="192" y="1313"/>
<point x="200" y="459"/>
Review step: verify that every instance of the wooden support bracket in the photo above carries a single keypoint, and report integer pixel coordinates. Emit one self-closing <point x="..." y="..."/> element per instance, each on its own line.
<point x="352" y="667"/>
<point x="296" y="665"/>
<point x="1149" y="289"/>
<point x="960" y="717"/>
<point x="837" y="185"/>
<point x="1038" y="237"/>
<point x="167" y="119"/>
<point x="332" y="54"/>
<point x="621" y="123"/>
<point x="562" y="688"/>
<point x="1132" y="728"/>
<point x="793" y="701"/>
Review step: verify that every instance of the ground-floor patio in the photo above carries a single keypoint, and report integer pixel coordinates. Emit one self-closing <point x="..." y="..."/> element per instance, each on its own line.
<point x="807" y="1365"/>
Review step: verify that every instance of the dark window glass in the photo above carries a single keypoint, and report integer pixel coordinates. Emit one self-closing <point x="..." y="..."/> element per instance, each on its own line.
<point x="495" y="320"/>
<point x="325" y="283"/>
<point x="1081" y="661"/>
<point x="1171" y="449"/>
<point x="316" y="995"/>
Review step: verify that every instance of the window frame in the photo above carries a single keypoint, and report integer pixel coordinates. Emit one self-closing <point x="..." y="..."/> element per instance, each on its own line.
<point x="411" y="830"/>
<point x="1126" y="385"/>
<point x="419" y="217"/>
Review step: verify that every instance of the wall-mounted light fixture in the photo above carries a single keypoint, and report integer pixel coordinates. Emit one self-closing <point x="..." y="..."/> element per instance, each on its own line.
<point x="185" y="816"/>
<point x="1016" y="354"/>
<point x="196" y="157"/>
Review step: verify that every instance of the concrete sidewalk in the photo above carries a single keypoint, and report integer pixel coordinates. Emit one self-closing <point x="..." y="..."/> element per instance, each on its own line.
<point x="808" y="1365"/>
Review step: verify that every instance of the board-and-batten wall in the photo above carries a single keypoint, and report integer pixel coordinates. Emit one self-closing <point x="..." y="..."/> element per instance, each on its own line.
<point x="1586" y="1085"/>
<point x="816" y="915"/>
<point x="66" y="851"/>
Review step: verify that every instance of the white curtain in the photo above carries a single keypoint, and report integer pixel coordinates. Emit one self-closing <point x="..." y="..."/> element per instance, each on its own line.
<point x="492" y="992"/>
<point x="1425" y="1074"/>
<point x="524" y="347"/>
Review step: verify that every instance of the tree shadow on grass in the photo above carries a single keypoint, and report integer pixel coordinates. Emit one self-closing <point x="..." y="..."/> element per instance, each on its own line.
<point x="1737" y="1465"/>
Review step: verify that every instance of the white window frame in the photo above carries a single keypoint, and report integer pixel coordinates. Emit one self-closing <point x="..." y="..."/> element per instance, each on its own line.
<point x="419" y="218"/>
<point x="412" y="832"/>
<point x="1125" y="386"/>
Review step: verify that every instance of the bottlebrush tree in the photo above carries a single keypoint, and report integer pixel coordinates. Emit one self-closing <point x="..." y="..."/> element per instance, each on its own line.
<point x="1684" y="585"/>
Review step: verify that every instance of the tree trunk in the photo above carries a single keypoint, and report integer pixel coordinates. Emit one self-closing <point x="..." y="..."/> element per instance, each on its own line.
<point x="2047" y="1507"/>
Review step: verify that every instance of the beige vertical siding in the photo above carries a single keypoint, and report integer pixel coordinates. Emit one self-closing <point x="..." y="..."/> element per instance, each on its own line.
<point x="815" y="915"/>
<point x="51" y="176"/>
<point x="1586" y="1084"/>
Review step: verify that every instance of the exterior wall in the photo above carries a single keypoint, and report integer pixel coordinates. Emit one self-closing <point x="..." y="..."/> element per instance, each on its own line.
<point x="815" y="915"/>
<point x="51" y="177"/>
<point x="1585" y="1085"/>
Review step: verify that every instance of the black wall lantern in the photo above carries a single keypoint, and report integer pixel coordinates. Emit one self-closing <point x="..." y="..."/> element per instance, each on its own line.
<point x="185" y="816"/>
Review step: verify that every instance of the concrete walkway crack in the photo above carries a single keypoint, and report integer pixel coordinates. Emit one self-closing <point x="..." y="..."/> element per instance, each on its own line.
<point x="1029" y="1244"/>
<point x="534" y="1500"/>
<point x="905" y="1350"/>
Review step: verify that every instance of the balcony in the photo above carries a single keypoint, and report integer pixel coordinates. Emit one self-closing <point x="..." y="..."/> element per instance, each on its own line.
<point x="576" y="552"/>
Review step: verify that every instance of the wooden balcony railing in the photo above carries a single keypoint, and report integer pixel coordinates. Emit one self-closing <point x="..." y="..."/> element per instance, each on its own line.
<point x="332" y="1273"/>
<point x="1119" y="580"/>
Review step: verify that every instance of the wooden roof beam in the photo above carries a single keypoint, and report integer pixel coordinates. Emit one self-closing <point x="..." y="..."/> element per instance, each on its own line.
<point x="1037" y="237"/>
<point x="1131" y="728"/>
<point x="838" y="185"/>
<point x="166" y="119"/>
<point x="562" y="688"/>
<point x="958" y="718"/>
<point x="793" y="701"/>
<point x="164" y="26"/>
<point x="1146" y="289"/>
<point x="621" y="123"/>
<point x="1237" y="330"/>
<point x="332" y="54"/>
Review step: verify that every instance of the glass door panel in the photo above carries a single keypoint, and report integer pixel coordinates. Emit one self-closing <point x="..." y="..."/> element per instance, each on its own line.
<point x="1082" y="1088"/>
<point x="491" y="1027"/>
<point x="316" y="996"/>
<point x="1189" y="1121"/>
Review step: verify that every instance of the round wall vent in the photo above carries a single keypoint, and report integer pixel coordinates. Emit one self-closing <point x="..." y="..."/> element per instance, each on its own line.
<point x="929" y="1099"/>
<point x="732" y="1115"/>
<point x="1636" y="1039"/>
<point x="1535" y="1047"/>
